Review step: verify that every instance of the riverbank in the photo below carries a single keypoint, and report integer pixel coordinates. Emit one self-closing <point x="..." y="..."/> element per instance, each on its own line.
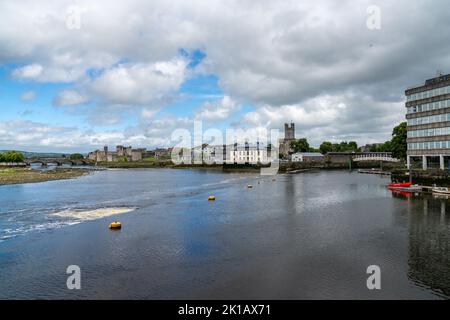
<point x="284" y="167"/>
<point x="27" y="175"/>
<point x="429" y="177"/>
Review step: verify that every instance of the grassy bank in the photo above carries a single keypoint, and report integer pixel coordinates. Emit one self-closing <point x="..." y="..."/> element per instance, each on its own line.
<point x="26" y="175"/>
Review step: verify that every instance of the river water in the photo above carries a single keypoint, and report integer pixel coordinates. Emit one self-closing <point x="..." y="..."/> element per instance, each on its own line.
<point x="310" y="235"/>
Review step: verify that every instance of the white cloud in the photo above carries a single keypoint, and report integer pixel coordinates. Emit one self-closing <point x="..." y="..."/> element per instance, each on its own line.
<point x="28" y="72"/>
<point x="217" y="110"/>
<point x="340" y="117"/>
<point x="139" y="84"/>
<point x="69" y="98"/>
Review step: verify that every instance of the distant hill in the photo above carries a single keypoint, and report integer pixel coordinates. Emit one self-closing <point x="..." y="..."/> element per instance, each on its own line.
<point x="40" y="154"/>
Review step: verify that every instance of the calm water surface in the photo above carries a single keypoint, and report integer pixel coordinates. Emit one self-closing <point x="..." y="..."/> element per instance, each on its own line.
<point x="303" y="236"/>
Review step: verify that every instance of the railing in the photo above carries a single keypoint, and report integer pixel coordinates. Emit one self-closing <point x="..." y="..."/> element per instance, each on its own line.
<point x="375" y="158"/>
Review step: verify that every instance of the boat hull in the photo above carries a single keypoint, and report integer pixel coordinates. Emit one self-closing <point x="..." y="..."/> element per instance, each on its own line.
<point x="441" y="191"/>
<point x="401" y="185"/>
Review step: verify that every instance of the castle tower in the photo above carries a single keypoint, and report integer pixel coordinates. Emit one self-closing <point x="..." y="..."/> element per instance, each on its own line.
<point x="119" y="150"/>
<point x="105" y="150"/>
<point x="289" y="131"/>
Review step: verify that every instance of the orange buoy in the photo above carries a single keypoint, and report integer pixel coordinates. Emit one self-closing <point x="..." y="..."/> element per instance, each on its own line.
<point x="115" y="225"/>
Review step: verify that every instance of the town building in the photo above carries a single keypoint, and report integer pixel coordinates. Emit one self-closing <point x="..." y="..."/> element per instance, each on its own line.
<point x="249" y="154"/>
<point x="307" y="157"/>
<point x="285" y="148"/>
<point x="121" y="154"/>
<point x="369" y="147"/>
<point x="162" y="153"/>
<point x="428" y="122"/>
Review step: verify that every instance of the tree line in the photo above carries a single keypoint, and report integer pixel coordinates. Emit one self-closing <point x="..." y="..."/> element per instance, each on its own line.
<point x="397" y="145"/>
<point x="11" y="156"/>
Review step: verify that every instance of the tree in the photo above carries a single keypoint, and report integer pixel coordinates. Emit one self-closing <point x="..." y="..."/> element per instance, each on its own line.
<point x="342" y="146"/>
<point x="12" y="156"/>
<point x="300" y="145"/>
<point x="76" y="156"/>
<point x="326" y="147"/>
<point x="352" y="146"/>
<point x="398" y="142"/>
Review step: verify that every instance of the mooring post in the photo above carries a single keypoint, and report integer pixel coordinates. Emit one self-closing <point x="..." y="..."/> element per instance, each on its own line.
<point x="410" y="175"/>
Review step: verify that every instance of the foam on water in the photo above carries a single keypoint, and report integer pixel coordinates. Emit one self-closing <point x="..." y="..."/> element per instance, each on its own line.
<point x="87" y="215"/>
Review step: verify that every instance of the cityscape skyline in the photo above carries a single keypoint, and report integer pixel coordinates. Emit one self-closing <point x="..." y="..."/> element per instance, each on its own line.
<point x="92" y="81"/>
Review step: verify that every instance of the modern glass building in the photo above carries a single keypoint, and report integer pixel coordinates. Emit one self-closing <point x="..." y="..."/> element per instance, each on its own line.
<point x="428" y="121"/>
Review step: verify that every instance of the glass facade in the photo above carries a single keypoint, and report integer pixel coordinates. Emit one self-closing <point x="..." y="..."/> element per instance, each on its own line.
<point x="430" y="106"/>
<point x="428" y="94"/>
<point x="429" y="132"/>
<point x="429" y="119"/>
<point x="429" y="145"/>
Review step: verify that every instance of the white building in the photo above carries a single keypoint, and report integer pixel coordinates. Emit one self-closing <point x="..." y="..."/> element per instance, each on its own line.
<point x="307" y="156"/>
<point x="249" y="155"/>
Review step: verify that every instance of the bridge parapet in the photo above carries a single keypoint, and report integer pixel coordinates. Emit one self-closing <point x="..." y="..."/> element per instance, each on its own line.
<point x="375" y="157"/>
<point x="57" y="161"/>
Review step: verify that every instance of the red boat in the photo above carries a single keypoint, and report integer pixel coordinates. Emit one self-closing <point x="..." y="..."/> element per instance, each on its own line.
<point x="404" y="193"/>
<point x="401" y="185"/>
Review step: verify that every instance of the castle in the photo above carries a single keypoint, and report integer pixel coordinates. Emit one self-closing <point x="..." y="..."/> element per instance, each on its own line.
<point x="121" y="154"/>
<point x="289" y="136"/>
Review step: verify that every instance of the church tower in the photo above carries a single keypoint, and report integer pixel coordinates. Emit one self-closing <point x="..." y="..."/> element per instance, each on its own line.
<point x="289" y="131"/>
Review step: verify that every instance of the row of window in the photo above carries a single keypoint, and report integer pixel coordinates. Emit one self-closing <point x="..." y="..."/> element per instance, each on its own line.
<point x="428" y="93"/>
<point x="247" y="153"/>
<point x="429" y="145"/>
<point x="430" y="106"/>
<point x="429" y="132"/>
<point x="429" y="119"/>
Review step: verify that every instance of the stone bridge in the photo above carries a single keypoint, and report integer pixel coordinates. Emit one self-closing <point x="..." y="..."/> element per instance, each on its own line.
<point x="58" y="161"/>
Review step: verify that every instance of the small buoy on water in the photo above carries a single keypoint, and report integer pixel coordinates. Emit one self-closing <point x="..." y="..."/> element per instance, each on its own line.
<point x="249" y="186"/>
<point x="115" y="225"/>
<point x="211" y="198"/>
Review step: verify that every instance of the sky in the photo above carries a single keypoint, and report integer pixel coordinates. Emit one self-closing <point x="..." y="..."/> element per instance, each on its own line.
<point x="76" y="75"/>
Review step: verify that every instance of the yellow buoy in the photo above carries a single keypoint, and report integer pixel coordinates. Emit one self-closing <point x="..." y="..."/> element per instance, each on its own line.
<point x="211" y="198"/>
<point x="115" y="225"/>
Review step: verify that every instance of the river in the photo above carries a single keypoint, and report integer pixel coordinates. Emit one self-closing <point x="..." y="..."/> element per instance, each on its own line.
<point x="310" y="235"/>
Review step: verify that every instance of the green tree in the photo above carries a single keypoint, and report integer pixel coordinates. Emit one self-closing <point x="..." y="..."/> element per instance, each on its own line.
<point x="326" y="147"/>
<point x="12" y="156"/>
<point x="300" y="145"/>
<point x="352" y="146"/>
<point x="76" y="156"/>
<point x="398" y="142"/>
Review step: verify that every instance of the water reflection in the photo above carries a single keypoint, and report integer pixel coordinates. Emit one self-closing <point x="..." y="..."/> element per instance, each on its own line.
<point x="429" y="240"/>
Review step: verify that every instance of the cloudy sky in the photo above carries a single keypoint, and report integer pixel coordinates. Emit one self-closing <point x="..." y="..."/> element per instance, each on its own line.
<point x="75" y="75"/>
